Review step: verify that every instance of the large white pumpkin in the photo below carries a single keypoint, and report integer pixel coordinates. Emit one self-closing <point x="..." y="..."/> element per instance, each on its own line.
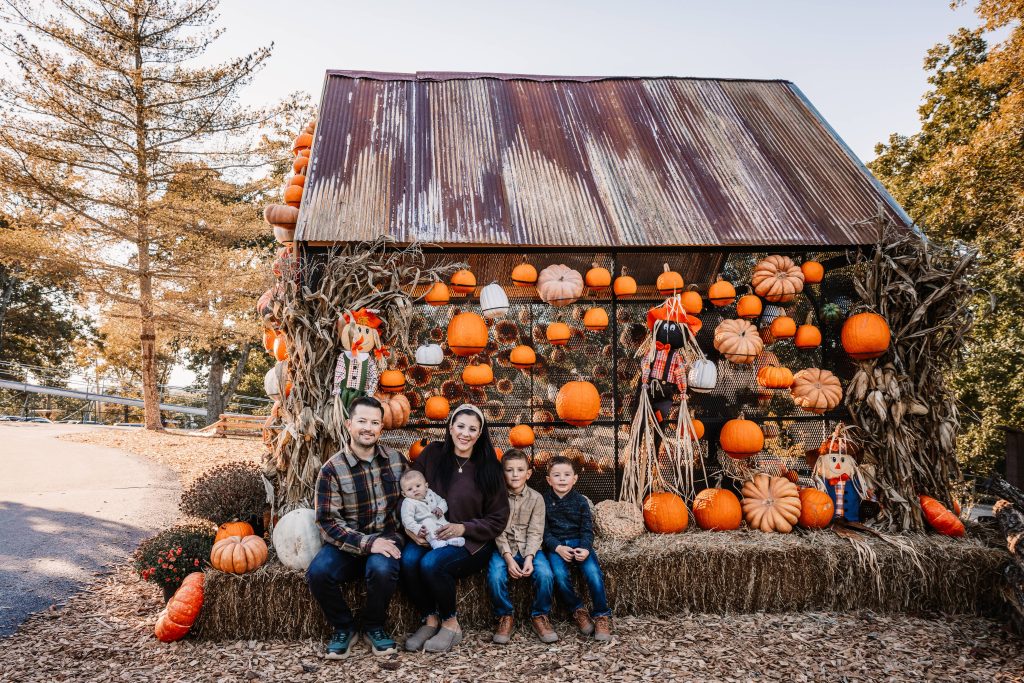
<point x="493" y="301"/>
<point x="703" y="376"/>
<point x="297" y="538"/>
<point x="559" y="285"/>
<point x="275" y="379"/>
<point x="429" y="355"/>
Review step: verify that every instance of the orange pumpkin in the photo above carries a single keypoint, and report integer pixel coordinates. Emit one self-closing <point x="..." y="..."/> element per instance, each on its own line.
<point x="771" y="503"/>
<point x="816" y="390"/>
<point x="233" y="529"/>
<point x="598" y="278"/>
<point x="281" y="216"/>
<point x="302" y="141"/>
<point x="280" y="348"/>
<point x="184" y="605"/>
<point x="299" y="180"/>
<point x="524" y="275"/>
<point x="595" y="319"/>
<point x="775" y="377"/>
<point x="293" y="195"/>
<point x="782" y="327"/>
<point x="698" y="429"/>
<point x="439" y="295"/>
<point x="417" y="447"/>
<point x="738" y="341"/>
<point x="167" y="631"/>
<point x="578" y="403"/>
<point x="692" y="303"/>
<point x="741" y="438"/>
<point x="391" y="381"/>
<point x="463" y="281"/>
<point x="665" y="513"/>
<point x="940" y="518"/>
<point x="478" y="375"/>
<point x="721" y="293"/>
<point x="777" y="279"/>
<point x="749" y="306"/>
<point x="669" y="282"/>
<point x="865" y="336"/>
<point x="238" y="554"/>
<point x="807" y="337"/>
<point x="437" y="408"/>
<point x="269" y="336"/>
<point x="522" y="357"/>
<point x="813" y="272"/>
<point x="816" y="509"/>
<point x="717" y="510"/>
<point x="396" y="410"/>
<point x="558" y="334"/>
<point x="467" y="334"/>
<point x="521" y="436"/>
<point x="624" y="285"/>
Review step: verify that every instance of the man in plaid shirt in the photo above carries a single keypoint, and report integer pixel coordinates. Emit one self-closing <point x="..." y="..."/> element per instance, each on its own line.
<point x="357" y="510"/>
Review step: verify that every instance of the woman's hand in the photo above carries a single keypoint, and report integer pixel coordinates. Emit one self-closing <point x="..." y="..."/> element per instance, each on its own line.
<point x="449" y="531"/>
<point x="420" y="538"/>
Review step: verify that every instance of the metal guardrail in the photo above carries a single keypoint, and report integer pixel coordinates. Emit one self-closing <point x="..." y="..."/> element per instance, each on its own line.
<point x="90" y="396"/>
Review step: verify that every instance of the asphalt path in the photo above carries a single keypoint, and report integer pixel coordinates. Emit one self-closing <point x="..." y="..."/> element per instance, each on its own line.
<point x="67" y="511"/>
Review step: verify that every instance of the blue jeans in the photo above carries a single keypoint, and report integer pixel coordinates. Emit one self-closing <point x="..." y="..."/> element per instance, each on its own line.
<point x="497" y="584"/>
<point x="592" y="576"/>
<point x="428" y="575"/>
<point x="332" y="567"/>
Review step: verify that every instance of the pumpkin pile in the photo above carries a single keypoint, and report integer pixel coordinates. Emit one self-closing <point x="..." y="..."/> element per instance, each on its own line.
<point x="283" y="217"/>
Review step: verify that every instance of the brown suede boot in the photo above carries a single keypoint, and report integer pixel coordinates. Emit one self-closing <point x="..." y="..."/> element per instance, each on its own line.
<point x="602" y="628"/>
<point x="583" y="621"/>
<point x="503" y="633"/>
<point x="542" y="625"/>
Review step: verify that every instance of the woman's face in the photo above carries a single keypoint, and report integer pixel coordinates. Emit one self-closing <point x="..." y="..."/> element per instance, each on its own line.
<point x="465" y="430"/>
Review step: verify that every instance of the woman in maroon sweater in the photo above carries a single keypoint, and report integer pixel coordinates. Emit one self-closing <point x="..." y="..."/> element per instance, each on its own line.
<point x="465" y="471"/>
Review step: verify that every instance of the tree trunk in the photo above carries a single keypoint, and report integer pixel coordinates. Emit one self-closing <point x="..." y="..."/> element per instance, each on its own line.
<point x="236" y="376"/>
<point x="214" y="381"/>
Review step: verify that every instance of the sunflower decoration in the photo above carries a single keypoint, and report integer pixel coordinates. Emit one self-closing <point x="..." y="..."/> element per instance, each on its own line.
<point x="540" y="368"/>
<point x="543" y="416"/>
<point x="436" y="334"/>
<point x="539" y="335"/>
<point x="503" y="358"/>
<point x="415" y="399"/>
<point x="557" y="354"/>
<point x="534" y="402"/>
<point x="623" y="315"/>
<point x="491" y="348"/>
<point x="607" y="401"/>
<point x="419" y="376"/>
<point x="633" y="335"/>
<point x="606" y="351"/>
<point x="506" y="331"/>
<point x="623" y="374"/>
<point x="417" y="325"/>
<point x="446" y="366"/>
<point x="541" y="459"/>
<point x="453" y="390"/>
<point x="477" y="395"/>
<point x="600" y="371"/>
<point x="524" y="316"/>
<point x="577" y="313"/>
<point x="494" y="410"/>
<point x="504" y="386"/>
<point x="400" y="361"/>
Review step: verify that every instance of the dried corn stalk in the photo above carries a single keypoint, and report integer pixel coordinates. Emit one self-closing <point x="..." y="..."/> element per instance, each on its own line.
<point x="905" y="413"/>
<point x="307" y="304"/>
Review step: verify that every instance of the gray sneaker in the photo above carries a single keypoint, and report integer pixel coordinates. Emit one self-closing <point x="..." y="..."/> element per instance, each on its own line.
<point x="443" y="641"/>
<point x="414" y="643"/>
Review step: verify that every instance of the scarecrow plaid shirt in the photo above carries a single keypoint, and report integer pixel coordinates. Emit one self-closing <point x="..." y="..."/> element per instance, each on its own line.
<point x="358" y="501"/>
<point x="676" y="373"/>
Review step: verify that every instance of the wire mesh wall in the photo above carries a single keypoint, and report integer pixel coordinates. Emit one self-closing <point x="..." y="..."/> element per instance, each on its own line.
<point x="608" y="359"/>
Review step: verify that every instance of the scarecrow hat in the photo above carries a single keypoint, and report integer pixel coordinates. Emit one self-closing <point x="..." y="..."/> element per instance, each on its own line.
<point x="672" y="310"/>
<point x="367" y="317"/>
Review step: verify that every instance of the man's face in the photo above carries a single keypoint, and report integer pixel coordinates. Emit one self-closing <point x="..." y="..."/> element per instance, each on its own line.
<point x="364" y="425"/>
<point x="561" y="478"/>
<point x="414" y="487"/>
<point x="517" y="473"/>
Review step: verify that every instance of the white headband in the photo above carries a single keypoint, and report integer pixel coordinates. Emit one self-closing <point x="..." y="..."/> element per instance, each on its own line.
<point x="472" y="408"/>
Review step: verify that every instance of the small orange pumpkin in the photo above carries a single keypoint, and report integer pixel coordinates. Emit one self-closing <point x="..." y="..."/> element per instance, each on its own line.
<point x="865" y="336"/>
<point x="578" y="403"/>
<point x="741" y="438"/>
<point x="281" y="348"/>
<point x="521" y="436"/>
<point x="302" y="141"/>
<point x="940" y="518"/>
<point x="595" y="319"/>
<point x="558" y="333"/>
<point x="665" y="513"/>
<point x="238" y="554"/>
<point x="437" y="408"/>
<point x="269" y="336"/>
<point x="624" y="285"/>
<point x="417" y="447"/>
<point x="233" y="529"/>
<point x="467" y="334"/>
<point x="463" y="281"/>
<point x="391" y="381"/>
<point x="669" y="282"/>
<point x="807" y="337"/>
<point x="478" y="375"/>
<point x="782" y="327"/>
<point x="524" y="275"/>
<point x="717" y="510"/>
<point x="598" y="278"/>
<point x="698" y="430"/>
<point x="775" y="377"/>
<point x="721" y="293"/>
<point x="749" y="306"/>
<point x="522" y="357"/>
<point x="813" y="272"/>
<point x="816" y="509"/>
<point x="293" y="195"/>
<point x="439" y="295"/>
<point x="692" y="303"/>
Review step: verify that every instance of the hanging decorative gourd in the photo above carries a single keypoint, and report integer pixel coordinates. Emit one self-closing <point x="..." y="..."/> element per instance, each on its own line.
<point x="521" y="436"/>
<point x="269" y="336"/>
<point x="598" y="278"/>
<point x="691" y="301"/>
<point x="816" y="390"/>
<point x="807" y="336"/>
<point x="775" y="377"/>
<point x="467" y="334"/>
<point x="301" y="142"/>
<point x="437" y="408"/>
<point x="717" y="510"/>
<point x="429" y="355"/>
<point x="738" y="341"/>
<point x="392" y="381"/>
<point x="595" y="319"/>
<point x="578" y="403"/>
<point x="831" y="314"/>
<point x="439" y="294"/>
<point x="463" y="281"/>
<point x="478" y="375"/>
<point x="522" y="357"/>
<point x="558" y="333"/>
<point x="417" y="447"/>
<point x="697" y="431"/>
<point x="813" y="272"/>
<point x="559" y="285"/>
<point x="524" y="275"/>
<point x="493" y="301"/>
<point x="777" y="279"/>
<point x="300" y="163"/>
<point x="721" y="292"/>
<point x="782" y="327"/>
<point x="280" y="347"/>
<point x="281" y="216"/>
<point x="624" y="285"/>
<point x="702" y="376"/>
<point x="749" y="306"/>
<point x="665" y="513"/>
<point x="740" y="438"/>
<point x="865" y="336"/>
<point x="293" y="195"/>
<point x="669" y="282"/>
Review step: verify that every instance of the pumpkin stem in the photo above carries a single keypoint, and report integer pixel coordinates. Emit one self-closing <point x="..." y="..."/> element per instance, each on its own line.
<point x="665" y="267"/>
<point x="622" y="271"/>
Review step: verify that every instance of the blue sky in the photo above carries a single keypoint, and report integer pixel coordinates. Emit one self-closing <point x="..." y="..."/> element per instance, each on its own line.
<point x="859" y="62"/>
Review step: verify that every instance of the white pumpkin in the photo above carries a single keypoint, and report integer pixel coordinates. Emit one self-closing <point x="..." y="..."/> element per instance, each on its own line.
<point x="493" y="301"/>
<point x="296" y="538"/>
<point x="559" y="285"/>
<point x="275" y="379"/>
<point x="284" y="235"/>
<point x="703" y="376"/>
<point x="429" y="355"/>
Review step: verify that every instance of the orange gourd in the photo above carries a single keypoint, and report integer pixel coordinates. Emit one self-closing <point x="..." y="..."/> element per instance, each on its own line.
<point x="741" y="438"/>
<point x="522" y="357"/>
<point x="692" y="303"/>
<point x="269" y="336"/>
<point x="300" y="163"/>
<point x="717" y="510"/>
<point x="437" y="408"/>
<point x="816" y="509"/>
<point x="467" y="334"/>
<point x="521" y="436"/>
<point x="280" y="348"/>
<point x="302" y="141"/>
<point x="665" y="513"/>
<point x="738" y="341"/>
<point x="524" y="275"/>
<point x="749" y="306"/>
<point x="775" y="377"/>
<point x="865" y="336"/>
<point x="816" y="390"/>
<point x="721" y="292"/>
<point x="439" y="295"/>
<point x="392" y="381"/>
<point x="463" y="281"/>
<point x="558" y="334"/>
<point x="624" y="285"/>
<point x="807" y="337"/>
<point x="595" y="319"/>
<point x="233" y="529"/>
<point x="417" y="447"/>
<point x="813" y="272"/>
<point x="940" y="518"/>
<point x="293" y="195"/>
<point x="478" y="375"/>
<point x="578" y="403"/>
<point x="396" y="410"/>
<point x="238" y="554"/>
<point x="598" y="278"/>
<point x="698" y="429"/>
<point x="782" y="327"/>
<point x="669" y="282"/>
<point x="777" y="279"/>
<point x="184" y="605"/>
<point x="299" y="180"/>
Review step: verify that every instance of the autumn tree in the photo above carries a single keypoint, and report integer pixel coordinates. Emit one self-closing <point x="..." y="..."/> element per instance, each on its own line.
<point x="108" y="107"/>
<point x="961" y="178"/>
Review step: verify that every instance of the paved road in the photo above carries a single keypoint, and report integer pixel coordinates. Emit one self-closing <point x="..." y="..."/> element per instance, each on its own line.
<point x="66" y="511"/>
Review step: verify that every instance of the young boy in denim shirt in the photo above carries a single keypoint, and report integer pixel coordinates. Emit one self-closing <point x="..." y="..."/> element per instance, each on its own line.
<point x="568" y="541"/>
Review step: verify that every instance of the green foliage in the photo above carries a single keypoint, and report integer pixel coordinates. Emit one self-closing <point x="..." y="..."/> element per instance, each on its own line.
<point x="229" y="492"/>
<point x="38" y="323"/>
<point x="167" y="558"/>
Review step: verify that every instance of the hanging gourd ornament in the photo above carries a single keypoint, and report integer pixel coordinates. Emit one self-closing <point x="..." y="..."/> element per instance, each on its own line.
<point x="521" y="436"/>
<point x="437" y="408"/>
<point x="865" y="336"/>
<point x="738" y="341"/>
<point x="598" y="278"/>
<point x="524" y="275"/>
<point x="624" y="285"/>
<point x="558" y="334"/>
<point x="669" y="282"/>
<point x="391" y="381"/>
<point x="559" y="285"/>
<point x="429" y="355"/>
<point x="740" y="438"/>
<point x="777" y="279"/>
<point x="721" y="292"/>
<point x="782" y="327"/>
<point x="578" y="403"/>
<point x="439" y="294"/>
<point x="595" y="319"/>
<point x="702" y="376"/>
<point x="522" y="357"/>
<point x="493" y="301"/>
<point x="463" y="281"/>
<point x="749" y="306"/>
<point x="691" y="301"/>
<point x="478" y="375"/>
<point x="816" y="390"/>
<point x="807" y="336"/>
<point x="467" y="334"/>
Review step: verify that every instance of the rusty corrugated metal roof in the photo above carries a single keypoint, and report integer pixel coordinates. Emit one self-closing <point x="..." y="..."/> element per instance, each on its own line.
<point x="498" y="159"/>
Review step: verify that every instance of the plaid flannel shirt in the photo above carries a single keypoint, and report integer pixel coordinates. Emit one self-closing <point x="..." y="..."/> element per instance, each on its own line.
<point x="358" y="501"/>
<point x="676" y="373"/>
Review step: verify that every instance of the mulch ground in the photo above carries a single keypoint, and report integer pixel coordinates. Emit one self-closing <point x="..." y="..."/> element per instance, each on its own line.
<point x="105" y="634"/>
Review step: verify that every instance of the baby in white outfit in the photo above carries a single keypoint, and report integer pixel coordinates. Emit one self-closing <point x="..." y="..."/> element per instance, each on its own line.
<point x="422" y="508"/>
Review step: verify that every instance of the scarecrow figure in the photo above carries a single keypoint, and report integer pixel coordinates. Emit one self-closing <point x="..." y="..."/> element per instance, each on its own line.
<point x="362" y="359"/>
<point x="837" y="475"/>
<point x="663" y="376"/>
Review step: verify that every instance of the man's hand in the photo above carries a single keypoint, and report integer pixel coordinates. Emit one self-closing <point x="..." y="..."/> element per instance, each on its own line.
<point x="581" y="554"/>
<point x="385" y="547"/>
<point x="527" y="566"/>
<point x="514" y="570"/>
<point x="566" y="553"/>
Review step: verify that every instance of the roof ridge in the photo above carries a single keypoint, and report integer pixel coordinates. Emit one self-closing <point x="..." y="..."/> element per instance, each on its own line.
<point x="473" y="75"/>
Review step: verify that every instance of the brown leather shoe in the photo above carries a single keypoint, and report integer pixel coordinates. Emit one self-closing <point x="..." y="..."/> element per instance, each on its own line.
<point x="503" y="633"/>
<point x="602" y="628"/>
<point x="542" y="625"/>
<point x="583" y="621"/>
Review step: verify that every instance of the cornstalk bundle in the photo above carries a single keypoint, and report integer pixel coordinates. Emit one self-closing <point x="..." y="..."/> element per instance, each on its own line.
<point x="905" y="413"/>
<point x="307" y="305"/>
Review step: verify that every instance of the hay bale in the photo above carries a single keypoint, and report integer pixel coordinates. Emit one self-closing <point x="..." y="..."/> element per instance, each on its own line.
<point x="618" y="520"/>
<point x="656" y="575"/>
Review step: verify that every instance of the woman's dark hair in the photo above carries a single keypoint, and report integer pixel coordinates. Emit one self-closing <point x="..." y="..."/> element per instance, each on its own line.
<point x="488" y="470"/>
